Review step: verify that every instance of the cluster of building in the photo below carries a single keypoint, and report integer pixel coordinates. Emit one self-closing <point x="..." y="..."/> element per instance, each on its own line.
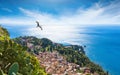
<point x="56" y="64"/>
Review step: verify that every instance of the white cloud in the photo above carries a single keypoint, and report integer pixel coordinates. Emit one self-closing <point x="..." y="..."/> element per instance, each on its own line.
<point x="7" y="9"/>
<point x="16" y="21"/>
<point x="43" y="18"/>
<point x="93" y="15"/>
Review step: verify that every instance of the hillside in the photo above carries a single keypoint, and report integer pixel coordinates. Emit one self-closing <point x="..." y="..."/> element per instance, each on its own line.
<point x="14" y="58"/>
<point x="72" y="53"/>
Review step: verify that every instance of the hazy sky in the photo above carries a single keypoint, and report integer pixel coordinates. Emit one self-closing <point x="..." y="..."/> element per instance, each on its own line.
<point x="58" y="16"/>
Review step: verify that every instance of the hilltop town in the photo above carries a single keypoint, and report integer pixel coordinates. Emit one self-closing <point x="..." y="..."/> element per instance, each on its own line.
<point x="55" y="64"/>
<point x="59" y="59"/>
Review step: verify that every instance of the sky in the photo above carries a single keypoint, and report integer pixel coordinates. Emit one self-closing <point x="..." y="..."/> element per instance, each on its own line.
<point x="59" y="18"/>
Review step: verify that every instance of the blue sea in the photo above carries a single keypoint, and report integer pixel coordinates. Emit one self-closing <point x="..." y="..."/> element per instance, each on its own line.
<point x="102" y="45"/>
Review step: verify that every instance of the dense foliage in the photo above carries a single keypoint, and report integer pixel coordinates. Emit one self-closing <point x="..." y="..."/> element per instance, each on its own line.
<point x="73" y="53"/>
<point x="4" y="34"/>
<point x="11" y="52"/>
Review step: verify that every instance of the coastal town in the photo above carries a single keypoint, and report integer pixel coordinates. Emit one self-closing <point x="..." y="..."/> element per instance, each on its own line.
<point x="57" y="59"/>
<point x="56" y="64"/>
